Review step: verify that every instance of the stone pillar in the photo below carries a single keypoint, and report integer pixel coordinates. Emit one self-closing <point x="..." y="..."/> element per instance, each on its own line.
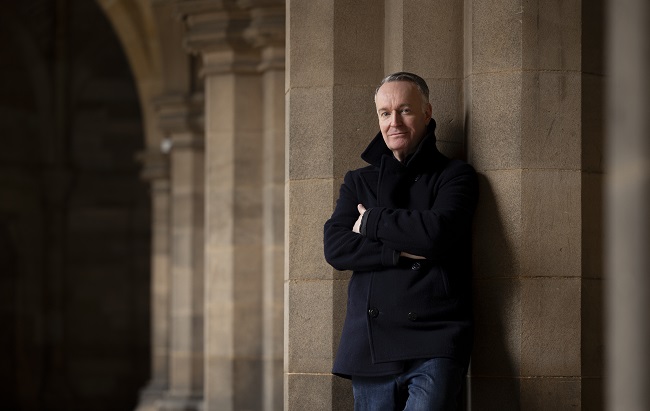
<point x="179" y="118"/>
<point x="234" y="187"/>
<point x="434" y="53"/>
<point x="156" y="172"/>
<point x="267" y="33"/>
<point x="628" y="205"/>
<point x="334" y="62"/>
<point x="532" y="76"/>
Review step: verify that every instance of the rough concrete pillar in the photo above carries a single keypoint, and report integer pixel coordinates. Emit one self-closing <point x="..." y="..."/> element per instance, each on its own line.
<point x="234" y="187"/>
<point x="156" y="172"/>
<point x="334" y="62"/>
<point x="267" y="33"/>
<point x="179" y="117"/>
<point x="628" y="205"/>
<point x="530" y="79"/>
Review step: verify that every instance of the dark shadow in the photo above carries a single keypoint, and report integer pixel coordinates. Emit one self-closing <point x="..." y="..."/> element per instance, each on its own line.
<point x="493" y="378"/>
<point x="493" y="381"/>
<point x="74" y="215"/>
<point x="593" y="118"/>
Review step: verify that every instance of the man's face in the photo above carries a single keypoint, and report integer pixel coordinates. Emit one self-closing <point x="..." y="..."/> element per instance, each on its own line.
<point x="403" y="116"/>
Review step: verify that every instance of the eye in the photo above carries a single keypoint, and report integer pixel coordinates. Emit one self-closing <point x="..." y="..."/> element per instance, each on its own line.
<point x="383" y="114"/>
<point x="406" y="110"/>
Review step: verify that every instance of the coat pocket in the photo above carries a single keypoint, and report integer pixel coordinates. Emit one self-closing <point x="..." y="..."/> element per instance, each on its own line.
<point x="441" y="288"/>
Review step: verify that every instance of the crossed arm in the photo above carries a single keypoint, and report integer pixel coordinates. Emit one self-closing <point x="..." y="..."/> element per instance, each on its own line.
<point x="389" y="234"/>
<point x="357" y="229"/>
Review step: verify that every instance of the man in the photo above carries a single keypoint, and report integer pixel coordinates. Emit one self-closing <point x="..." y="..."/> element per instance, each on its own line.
<point x="403" y="225"/>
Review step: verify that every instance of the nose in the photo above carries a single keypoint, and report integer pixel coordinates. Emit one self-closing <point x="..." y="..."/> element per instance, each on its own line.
<point x="396" y="119"/>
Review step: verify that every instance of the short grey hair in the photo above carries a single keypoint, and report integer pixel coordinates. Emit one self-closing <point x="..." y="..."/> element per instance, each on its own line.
<point x="411" y="78"/>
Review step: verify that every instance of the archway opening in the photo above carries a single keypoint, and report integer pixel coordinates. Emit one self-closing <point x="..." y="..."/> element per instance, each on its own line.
<point x="74" y="215"/>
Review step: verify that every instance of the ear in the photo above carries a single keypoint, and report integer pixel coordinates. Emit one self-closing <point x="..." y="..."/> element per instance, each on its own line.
<point x="428" y="110"/>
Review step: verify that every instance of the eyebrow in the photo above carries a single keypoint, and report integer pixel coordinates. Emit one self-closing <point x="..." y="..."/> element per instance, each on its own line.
<point x="380" y="109"/>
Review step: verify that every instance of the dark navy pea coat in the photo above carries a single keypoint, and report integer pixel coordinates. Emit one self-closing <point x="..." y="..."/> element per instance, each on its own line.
<point x="398" y="308"/>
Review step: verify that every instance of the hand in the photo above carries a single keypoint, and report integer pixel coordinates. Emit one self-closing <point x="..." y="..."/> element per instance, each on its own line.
<point x="357" y="224"/>
<point x="412" y="256"/>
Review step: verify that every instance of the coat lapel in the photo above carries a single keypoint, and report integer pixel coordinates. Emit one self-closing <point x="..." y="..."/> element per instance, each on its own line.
<point x="370" y="179"/>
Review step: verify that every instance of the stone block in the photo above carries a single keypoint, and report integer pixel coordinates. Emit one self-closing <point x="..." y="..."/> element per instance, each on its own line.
<point x="317" y="392"/>
<point x="358" y="46"/>
<point x="393" y="36"/>
<point x="248" y="153"/>
<point x="446" y="97"/>
<point x="437" y="51"/>
<point x="310" y="59"/>
<point x="552" y="234"/>
<point x="551" y="394"/>
<point x="496" y="42"/>
<point x="247" y="383"/>
<point x="550" y="120"/>
<point x="354" y="125"/>
<point x="497" y="225"/>
<point x="551" y="35"/>
<point x="184" y="373"/>
<point x="339" y="309"/>
<point x="495" y="393"/>
<point x="309" y="318"/>
<point x="311" y="133"/>
<point x="218" y="393"/>
<point x="497" y="319"/>
<point x="551" y="327"/>
<point x="309" y="208"/>
<point x="495" y="120"/>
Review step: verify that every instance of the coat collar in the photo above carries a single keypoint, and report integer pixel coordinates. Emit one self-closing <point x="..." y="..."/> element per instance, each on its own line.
<point x="426" y="153"/>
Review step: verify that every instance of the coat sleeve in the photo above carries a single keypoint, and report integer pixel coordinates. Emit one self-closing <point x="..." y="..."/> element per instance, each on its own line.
<point x="347" y="250"/>
<point x="434" y="232"/>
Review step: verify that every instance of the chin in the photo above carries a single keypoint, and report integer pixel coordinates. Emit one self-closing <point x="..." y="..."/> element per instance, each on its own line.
<point x="399" y="147"/>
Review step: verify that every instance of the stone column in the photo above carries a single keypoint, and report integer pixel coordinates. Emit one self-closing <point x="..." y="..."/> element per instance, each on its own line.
<point x="234" y="187"/>
<point x="180" y="119"/>
<point x="426" y="38"/>
<point x="628" y="205"/>
<point x="267" y="33"/>
<point x="334" y="62"/>
<point x="532" y="82"/>
<point x="156" y="172"/>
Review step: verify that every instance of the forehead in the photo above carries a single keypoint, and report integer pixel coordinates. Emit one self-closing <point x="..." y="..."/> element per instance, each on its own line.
<point x="398" y="93"/>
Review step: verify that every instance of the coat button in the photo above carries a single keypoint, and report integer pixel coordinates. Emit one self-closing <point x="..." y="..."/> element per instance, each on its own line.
<point x="413" y="316"/>
<point x="415" y="266"/>
<point x="373" y="312"/>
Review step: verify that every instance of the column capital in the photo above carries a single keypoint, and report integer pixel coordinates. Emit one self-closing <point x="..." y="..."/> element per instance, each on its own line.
<point x="180" y="117"/>
<point x="155" y="165"/>
<point x="267" y="26"/>
<point x="180" y="113"/>
<point x="215" y="30"/>
<point x="267" y="32"/>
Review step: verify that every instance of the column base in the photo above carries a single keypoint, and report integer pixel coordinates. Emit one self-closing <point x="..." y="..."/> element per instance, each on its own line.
<point x="151" y="395"/>
<point x="180" y="402"/>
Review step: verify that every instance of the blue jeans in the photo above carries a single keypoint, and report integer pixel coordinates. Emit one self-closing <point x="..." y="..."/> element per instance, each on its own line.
<point x="425" y="385"/>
